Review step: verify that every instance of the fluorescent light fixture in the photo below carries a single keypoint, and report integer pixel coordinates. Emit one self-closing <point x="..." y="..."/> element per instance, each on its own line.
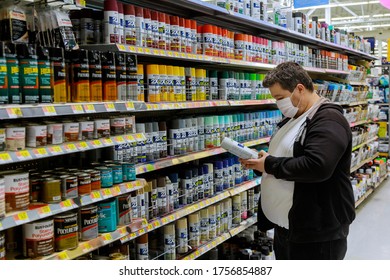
<point x="340" y="5"/>
<point x="364" y="26"/>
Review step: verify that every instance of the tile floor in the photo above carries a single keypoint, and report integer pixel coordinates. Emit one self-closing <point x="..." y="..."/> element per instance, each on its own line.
<point x="369" y="237"/>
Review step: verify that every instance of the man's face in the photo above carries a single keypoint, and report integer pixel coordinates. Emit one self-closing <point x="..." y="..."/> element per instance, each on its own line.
<point x="279" y="93"/>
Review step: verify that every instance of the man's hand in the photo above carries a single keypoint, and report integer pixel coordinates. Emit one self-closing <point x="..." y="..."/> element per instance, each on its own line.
<point x="256" y="164"/>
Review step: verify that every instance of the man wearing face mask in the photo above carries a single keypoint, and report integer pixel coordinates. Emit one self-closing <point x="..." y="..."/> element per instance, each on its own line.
<point x="306" y="193"/>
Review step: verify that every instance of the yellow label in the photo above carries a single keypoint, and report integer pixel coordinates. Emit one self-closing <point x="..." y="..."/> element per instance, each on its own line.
<point x="86" y="247"/>
<point x="107" y="237"/>
<point x="63" y="255"/>
<point x="40" y="151"/>
<point x="130" y="138"/>
<point x="97" y="143"/>
<point x="3" y="69"/>
<point x="141" y="231"/>
<point x="44" y="210"/>
<point x="169" y="53"/>
<point x="23" y="154"/>
<point x="133" y="235"/>
<point x="70" y="147"/>
<point x="5" y="157"/>
<point x="49" y="110"/>
<point x="132" y="49"/>
<point x="56" y="149"/>
<point x="157" y="223"/>
<point x="83" y="145"/>
<point x="147" y="50"/>
<point x="150" y="227"/>
<point x="110" y="107"/>
<point x="14" y="70"/>
<point x="120" y="139"/>
<point x="121" y="47"/>
<point x="14" y="112"/>
<point x="66" y="203"/>
<point x="89" y="108"/>
<point x="77" y="109"/>
<point x="107" y="192"/>
<point x="129" y="106"/>
<point x="164" y="220"/>
<point x="22" y="216"/>
<point x="96" y="195"/>
<point x="156" y="52"/>
<point x="140" y="50"/>
<point x="30" y="70"/>
<point x="108" y="141"/>
<point x="116" y="190"/>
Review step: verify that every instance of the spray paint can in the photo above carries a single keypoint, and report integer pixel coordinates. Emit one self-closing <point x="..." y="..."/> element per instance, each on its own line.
<point x="111" y="22"/>
<point x="162" y="82"/>
<point x="142" y="247"/>
<point x="177" y="87"/>
<point x="86" y="27"/>
<point x="110" y="92"/>
<point x="45" y="75"/>
<point x="204" y="225"/>
<point x="140" y="26"/>
<point x="190" y="84"/>
<point x="162" y="135"/>
<point x="4" y="99"/>
<point x="169" y="242"/>
<point x="140" y="83"/>
<point x="174" y="178"/>
<point x="28" y="75"/>
<point x="121" y="76"/>
<point x="80" y="76"/>
<point x="130" y="30"/>
<point x="121" y="23"/>
<point x="161" y="196"/>
<point x="212" y="222"/>
<point x="218" y="176"/>
<point x="14" y="93"/>
<point x="194" y="230"/>
<point x="186" y="186"/>
<point x="98" y="17"/>
<point x="195" y="184"/>
<point x="131" y="77"/>
<point x="153" y="76"/>
<point x="181" y="236"/>
<point x="58" y="77"/>
<point x="236" y="209"/>
<point x="95" y="76"/>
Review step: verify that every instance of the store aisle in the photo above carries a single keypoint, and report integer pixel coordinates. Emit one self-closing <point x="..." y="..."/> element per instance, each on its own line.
<point x="369" y="237"/>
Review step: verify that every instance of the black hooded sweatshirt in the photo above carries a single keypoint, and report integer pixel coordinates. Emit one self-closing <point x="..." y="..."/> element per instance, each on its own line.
<point x="323" y="201"/>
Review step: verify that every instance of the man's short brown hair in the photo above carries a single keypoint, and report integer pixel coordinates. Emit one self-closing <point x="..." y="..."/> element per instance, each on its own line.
<point x="288" y="75"/>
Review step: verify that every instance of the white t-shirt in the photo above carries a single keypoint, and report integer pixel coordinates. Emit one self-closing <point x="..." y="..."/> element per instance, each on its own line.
<point x="277" y="194"/>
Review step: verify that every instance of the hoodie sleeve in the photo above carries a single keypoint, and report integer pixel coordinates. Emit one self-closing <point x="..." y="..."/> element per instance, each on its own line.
<point x="326" y="142"/>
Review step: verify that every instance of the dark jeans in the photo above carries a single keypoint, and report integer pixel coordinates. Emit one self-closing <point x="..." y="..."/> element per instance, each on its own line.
<point x="327" y="250"/>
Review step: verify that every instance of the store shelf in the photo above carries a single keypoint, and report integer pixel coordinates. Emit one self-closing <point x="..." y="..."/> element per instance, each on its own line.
<point x="13" y="111"/>
<point x="67" y="148"/>
<point x="204" y="248"/>
<point x="213" y="14"/>
<point x="370" y="191"/>
<point x="364" y="143"/>
<point x="102" y="240"/>
<point x="42" y="210"/>
<point x="383" y="154"/>
<point x="176" y="160"/>
<point x="189" y="209"/>
<point x="356" y="167"/>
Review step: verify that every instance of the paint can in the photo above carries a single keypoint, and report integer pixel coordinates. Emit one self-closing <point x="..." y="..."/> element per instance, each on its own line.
<point x="105" y="176"/>
<point x="2" y="198"/>
<point x="107" y="212"/>
<point x="66" y="231"/>
<point x="117" y="173"/>
<point x="102" y="128"/>
<point x="16" y="190"/>
<point x="124" y="209"/>
<point x="88" y="222"/>
<point x="129" y="173"/>
<point x="51" y="190"/>
<point x="38" y="238"/>
<point x="84" y="183"/>
<point x="87" y="129"/>
<point x="15" y="138"/>
<point x="118" y="126"/>
<point x="55" y="133"/>
<point x="36" y="136"/>
<point x="69" y="186"/>
<point x="95" y="179"/>
<point x="71" y="131"/>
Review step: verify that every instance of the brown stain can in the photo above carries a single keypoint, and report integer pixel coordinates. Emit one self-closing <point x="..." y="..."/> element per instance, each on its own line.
<point x="66" y="231"/>
<point x="38" y="238"/>
<point x="17" y="190"/>
<point x="35" y="189"/>
<point x="2" y="197"/>
<point x="15" y="138"/>
<point x="71" y="131"/>
<point x="69" y="186"/>
<point x="84" y="183"/>
<point x="51" y="190"/>
<point x="55" y="133"/>
<point x="95" y="179"/>
<point x="88" y="222"/>
<point x="2" y="246"/>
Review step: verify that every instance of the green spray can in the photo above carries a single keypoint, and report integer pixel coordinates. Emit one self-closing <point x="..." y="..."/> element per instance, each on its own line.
<point x="44" y="74"/>
<point x="28" y="74"/>
<point x="14" y="93"/>
<point x="3" y="76"/>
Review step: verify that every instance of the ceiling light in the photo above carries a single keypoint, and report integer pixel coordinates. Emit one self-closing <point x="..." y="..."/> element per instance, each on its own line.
<point x="339" y="5"/>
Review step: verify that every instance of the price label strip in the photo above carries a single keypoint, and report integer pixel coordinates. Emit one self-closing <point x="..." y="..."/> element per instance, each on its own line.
<point x="70" y="148"/>
<point x="110" y="107"/>
<point x="56" y="150"/>
<point x="14" y="113"/>
<point x="130" y="106"/>
<point x="41" y="152"/>
<point x="77" y="109"/>
<point x="23" y="155"/>
<point x="89" y="108"/>
<point x="44" y="211"/>
<point x="82" y="145"/>
<point x="21" y="218"/>
<point x="66" y="204"/>
<point x="5" y="158"/>
<point x="97" y="143"/>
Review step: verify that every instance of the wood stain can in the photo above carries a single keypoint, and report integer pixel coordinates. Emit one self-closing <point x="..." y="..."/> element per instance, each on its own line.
<point x="124" y="209"/>
<point x="55" y="133"/>
<point x="38" y="238"/>
<point x="71" y="131"/>
<point x="86" y="130"/>
<point x="66" y="231"/>
<point x="95" y="179"/>
<point x="102" y="128"/>
<point x="80" y="76"/>
<point x="51" y="190"/>
<point x="36" y="135"/>
<point x="84" y="183"/>
<point x="15" y="138"/>
<point x="69" y="186"/>
<point x="88" y="222"/>
<point x="16" y="190"/>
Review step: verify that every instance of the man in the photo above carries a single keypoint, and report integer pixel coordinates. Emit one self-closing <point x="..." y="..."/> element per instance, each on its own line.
<point x="306" y="191"/>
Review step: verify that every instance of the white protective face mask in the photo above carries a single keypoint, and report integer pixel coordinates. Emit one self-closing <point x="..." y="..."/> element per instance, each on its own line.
<point x="287" y="107"/>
